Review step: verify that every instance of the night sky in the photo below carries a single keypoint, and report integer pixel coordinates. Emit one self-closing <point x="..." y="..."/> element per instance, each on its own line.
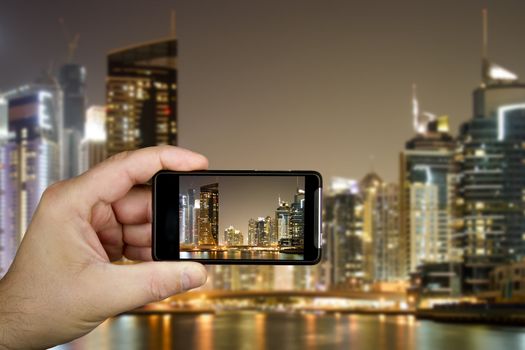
<point x="321" y="85"/>
<point x="244" y="197"/>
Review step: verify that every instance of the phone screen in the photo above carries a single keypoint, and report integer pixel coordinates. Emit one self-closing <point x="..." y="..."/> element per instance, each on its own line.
<point x="241" y="217"/>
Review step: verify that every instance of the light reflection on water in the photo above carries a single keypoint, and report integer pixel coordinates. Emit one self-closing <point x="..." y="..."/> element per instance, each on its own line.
<point x="256" y="330"/>
<point x="240" y="254"/>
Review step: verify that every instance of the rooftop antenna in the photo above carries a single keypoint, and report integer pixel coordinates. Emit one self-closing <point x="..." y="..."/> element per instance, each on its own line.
<point x="415" y="108"/>
<point x="173" y="27"/>
<point x="484" y="47"/>
<point x="72" y="41"/>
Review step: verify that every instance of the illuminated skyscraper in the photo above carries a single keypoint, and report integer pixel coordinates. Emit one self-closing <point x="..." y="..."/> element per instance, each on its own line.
<point x="141" y="96"/>
<point x="344" y="232"/>
<point x="183" y="218"/>
<point x="282" y="219"/>
<point x="93" y="145"/>
<point x="261" y="235"/>
<point x="209" y="215"/>
<point x="233" y="236"/>
<point x="426" y="174"/>
<point x="490" y="230"/>
<point x="192" y="227"/>
<point x="380" y="229"/>
<point x="72" y="79"/>
<point x="30" y="158"/>
<point x="252" y="232"/>
<point x="7" y="211"/>
<point x="297" y="217"/>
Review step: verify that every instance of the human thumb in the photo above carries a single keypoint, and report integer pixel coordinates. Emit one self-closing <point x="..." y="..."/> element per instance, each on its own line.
<point x="126" y="287"/>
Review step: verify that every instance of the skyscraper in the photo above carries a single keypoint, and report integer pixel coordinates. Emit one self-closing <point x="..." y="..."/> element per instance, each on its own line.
<point x="426" y="172"/>
<point x="30" y="158"/>
<point x="233" y="236"/>
<point x="93" y="145"/>
<point x="7" y="211"/>
<point x="490" y="230"/>
<point x="297" y="218"/>
<point x="72" y="79"/>
<point x="282" y="219"/>
<point x="344" y="232"/>
<point x="183" y="218"/>
<point x="380" y="229"/>
<point x="252" y="232"/>
<point x="209" y="215"/>
<point x="141" y="96"/>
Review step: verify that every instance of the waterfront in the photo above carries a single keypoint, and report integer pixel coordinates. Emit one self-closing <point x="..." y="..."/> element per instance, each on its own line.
<point x="256" y="330"/>
<point x="238" y="254"/>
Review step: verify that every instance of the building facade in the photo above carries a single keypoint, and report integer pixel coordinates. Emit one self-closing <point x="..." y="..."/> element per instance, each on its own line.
<point x="490" y="222"/>
<point x="141" y="96"/>
<point x="426" y="172"/>
<point x="209" y="215"/>
<point x="344" y="234"/>
<point x="72" y="80"/>
<point x="30" y="159"/>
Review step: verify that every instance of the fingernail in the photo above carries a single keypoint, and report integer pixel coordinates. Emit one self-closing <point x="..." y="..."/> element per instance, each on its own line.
<point x="193" y="276"/>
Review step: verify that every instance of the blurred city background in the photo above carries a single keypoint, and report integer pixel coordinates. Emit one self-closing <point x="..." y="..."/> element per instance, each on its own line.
<point x="424" y="214"/>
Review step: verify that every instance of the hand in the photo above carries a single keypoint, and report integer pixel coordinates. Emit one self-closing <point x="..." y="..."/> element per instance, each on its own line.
<point x="61" y="284"/>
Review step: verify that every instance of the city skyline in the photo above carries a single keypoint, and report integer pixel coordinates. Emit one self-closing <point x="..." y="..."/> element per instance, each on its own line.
<point x="238" y="202"/>
<point x="348" y="97"/>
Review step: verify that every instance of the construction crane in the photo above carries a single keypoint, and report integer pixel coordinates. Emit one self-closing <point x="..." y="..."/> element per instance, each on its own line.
<point x="72" y="41"/>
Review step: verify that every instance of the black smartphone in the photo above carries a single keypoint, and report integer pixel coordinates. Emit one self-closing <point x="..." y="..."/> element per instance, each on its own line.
<point x="237" y="216"/>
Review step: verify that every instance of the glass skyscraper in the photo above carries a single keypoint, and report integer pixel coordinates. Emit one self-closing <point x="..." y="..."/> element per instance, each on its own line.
<point x="141" y="96"/>
<point x="72" y="79"/>
<point x="30" y="159"/>
<point x="343" y="229"/>
<point x="490" y="229"/>
<point x="380" y="229"/>
<point x="209" y="215"/>
<point x="426" y="175"/>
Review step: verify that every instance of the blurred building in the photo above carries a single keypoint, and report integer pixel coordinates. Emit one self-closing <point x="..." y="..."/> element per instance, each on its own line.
<point x="30" y="158"/>
<point x="344" y="234"/>
<point x="72" y="79"/>
<point x="233" y="236"/>
<point x="490" y="230"/>
<point x="141" y="96"/>
<point x="93" y="145"/>
<point x="426" y="175"/>
<point x="209" y="214"/>
<point x="380" y="229"/>
<point x="7" y="211"/>
<point x="507" y="283"/>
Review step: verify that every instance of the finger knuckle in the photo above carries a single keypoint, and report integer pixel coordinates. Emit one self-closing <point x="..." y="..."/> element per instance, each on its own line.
<point x="52" y="192"/>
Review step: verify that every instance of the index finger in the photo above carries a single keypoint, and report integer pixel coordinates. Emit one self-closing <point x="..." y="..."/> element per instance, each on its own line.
<point x="113" y="178"/>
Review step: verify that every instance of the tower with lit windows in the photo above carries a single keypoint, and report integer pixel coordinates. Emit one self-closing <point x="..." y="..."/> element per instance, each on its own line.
<point x="93" y="145"/>
<point x="30" y="158"/>
<point x="209" y="215"/>
<point x="426" y="175"/>
<point x="343" y="228"/>
<point x="490" y="226"/>
<point x="141" y="96"/>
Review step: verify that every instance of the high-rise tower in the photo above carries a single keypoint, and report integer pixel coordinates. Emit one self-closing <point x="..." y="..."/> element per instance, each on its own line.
<point x="491" y="165"/>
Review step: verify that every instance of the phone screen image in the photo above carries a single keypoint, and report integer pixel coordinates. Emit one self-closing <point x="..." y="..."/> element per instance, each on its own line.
<point x="241" y="217"/>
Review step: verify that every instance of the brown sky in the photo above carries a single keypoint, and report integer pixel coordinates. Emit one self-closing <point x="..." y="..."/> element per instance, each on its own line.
<point x="285" y="84"/>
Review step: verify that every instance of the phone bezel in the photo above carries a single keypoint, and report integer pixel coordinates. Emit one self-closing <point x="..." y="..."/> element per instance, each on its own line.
<point x="166" y="247"/>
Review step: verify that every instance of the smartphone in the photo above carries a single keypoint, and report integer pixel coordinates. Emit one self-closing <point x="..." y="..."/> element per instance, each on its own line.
<point x="237" y="217"/>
